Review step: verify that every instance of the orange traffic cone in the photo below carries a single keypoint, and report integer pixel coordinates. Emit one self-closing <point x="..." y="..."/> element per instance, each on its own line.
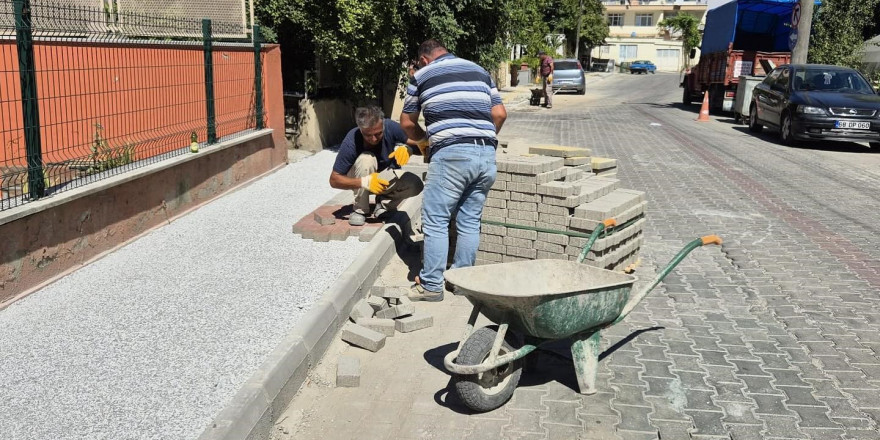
<point x="704" y="111"/>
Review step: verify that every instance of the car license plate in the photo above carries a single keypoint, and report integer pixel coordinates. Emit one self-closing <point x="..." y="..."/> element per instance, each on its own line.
<point x="853" y="124"/>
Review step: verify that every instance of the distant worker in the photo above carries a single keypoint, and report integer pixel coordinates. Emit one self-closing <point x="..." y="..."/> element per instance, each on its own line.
<point x="546" y="71"/>
<point x="367" y="163"/>
<point x="463" y="112"/>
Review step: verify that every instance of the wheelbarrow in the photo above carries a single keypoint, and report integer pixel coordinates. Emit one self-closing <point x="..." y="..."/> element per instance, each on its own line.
<point x="535" y="303"/>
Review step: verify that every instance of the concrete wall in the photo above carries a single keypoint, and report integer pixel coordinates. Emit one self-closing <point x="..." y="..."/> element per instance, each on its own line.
<point x="49" y="238"/>
<point x="321" y="123"/>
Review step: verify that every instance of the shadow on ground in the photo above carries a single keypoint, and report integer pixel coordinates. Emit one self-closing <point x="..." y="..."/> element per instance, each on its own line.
<point x="550" y="363"/>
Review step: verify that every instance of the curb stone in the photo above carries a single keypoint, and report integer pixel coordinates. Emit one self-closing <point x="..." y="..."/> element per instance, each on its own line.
<point x="251" y="413"/>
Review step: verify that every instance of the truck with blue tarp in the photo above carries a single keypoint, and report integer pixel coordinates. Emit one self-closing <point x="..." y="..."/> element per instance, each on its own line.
<point x="738" y="36"/>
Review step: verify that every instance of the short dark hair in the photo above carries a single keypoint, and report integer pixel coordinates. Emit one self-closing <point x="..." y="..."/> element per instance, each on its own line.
<point x="429" y="46"/>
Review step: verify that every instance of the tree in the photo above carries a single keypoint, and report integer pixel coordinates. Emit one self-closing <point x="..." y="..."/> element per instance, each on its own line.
<point x="838" y="27"/>
<point x="687" y="26"/>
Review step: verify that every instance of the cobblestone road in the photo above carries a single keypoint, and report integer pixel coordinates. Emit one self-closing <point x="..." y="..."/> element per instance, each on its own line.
<point x="775" y="335"/>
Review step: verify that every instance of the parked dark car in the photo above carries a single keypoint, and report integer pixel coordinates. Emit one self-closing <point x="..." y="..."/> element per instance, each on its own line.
<point x="817" y="102"/>
<point x="569" y="75"/>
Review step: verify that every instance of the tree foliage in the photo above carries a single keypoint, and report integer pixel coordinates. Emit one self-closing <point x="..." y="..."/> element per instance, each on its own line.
<point x="688" y="27"/>
<point x="838" y="27"/>
<point x="369" y="42"/>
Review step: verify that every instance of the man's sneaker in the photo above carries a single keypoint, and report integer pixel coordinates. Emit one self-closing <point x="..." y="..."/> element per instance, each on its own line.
<point x="357" y="219"/>
<point x="379" y="212"/>
<point x="418" y="293"/>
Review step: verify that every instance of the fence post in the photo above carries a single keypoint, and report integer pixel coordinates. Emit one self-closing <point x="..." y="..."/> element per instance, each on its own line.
<point x="258" y="77"/>
<point x="29" y="105"/>
<point x="209" y="81"/>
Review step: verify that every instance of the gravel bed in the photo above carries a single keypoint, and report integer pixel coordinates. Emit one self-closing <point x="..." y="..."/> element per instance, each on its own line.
<point x="151" y="341"/>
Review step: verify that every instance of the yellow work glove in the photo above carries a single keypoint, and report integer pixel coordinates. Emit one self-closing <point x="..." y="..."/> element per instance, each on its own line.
<point x="374" y="184"/>
<point x="400" y="155"/>
<point x="423" y="146"/>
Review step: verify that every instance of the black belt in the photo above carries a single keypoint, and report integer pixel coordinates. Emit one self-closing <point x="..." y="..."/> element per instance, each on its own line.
<point x="488" y="142"/>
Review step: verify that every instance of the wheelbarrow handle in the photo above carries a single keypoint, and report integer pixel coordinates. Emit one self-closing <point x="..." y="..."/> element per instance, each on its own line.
<point x="637" y="298"/>
<point x="607" y="223"/>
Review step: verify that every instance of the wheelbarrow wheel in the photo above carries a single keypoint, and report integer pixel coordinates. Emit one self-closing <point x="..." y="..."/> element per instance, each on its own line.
<point x="491" y="389"/>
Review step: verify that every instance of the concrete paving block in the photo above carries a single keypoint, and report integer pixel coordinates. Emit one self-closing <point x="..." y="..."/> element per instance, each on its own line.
<point x="348" y="372"/>
<point x="528" y="188"/>
<point x="619" y="236"/>
<point x="522" y="215"/>
<point x="612" y="172"/>
<point x="539" y="178"/>
<point x="544" y="255"/>
<point x="361" y="309"/>
<point x="573" y="174"/>
<point x="377" y="303"/>
<point x="512" y="258"/>
<point x="519" y="222"/>
<point x="489" y="256"/>
<point x="556" y="189"/>
<point x="602" y="163"/>
<point x="568" y="202"/>
<point x="522" y="206"/>
<point x="378" y="291"/>
<point x="341" y="234"/>
<point x="368" y="232"/>
<point x="491" y="247"/>
<point x="397" y="311"/>
<point x="495" y="212"/>
<point x="415" y="322"/>
<point x="597" y="187"/>
<point x="496" y="203"/>
<point x="555" y="229"/>
<point x="404" y="300"/>
<point x="555" y="210"/>
<point x="492" y="229"/>
<point x="549" y="247"/>
<point x="363" y="337"/>
<point x="559" y="151"/>
<point x="561" y="220"/>
<point x="523" y="197"/>
<point x="325" y="219"/>
<point x="522" y="233"/>
<point x="384" y="326"/>
<point x="522" y="252"/>
<point x="502" y="177"/>
<point x="553" y="238"/>
<point x="577" y="160"/>
<point x="639" y="194"/>
<point x="493" y="218"/>
<point x="496" y="194"/>
<point x="500" y="185"/>
<point x="394" y="292"/>
<point x="608" y="206"/>
<point x="492" y="239"/>
<point x="519" y="242"/>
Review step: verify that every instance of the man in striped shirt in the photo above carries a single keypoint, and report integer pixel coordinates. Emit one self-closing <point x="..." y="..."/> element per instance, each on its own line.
<point x="463" y="112"/>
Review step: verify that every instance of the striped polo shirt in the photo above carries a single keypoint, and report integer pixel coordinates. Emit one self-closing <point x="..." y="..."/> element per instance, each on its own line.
<point x="456" y="97"/>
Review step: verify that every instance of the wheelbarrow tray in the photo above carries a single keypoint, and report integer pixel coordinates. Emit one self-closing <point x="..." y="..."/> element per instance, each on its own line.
<point x="549" y="299"/>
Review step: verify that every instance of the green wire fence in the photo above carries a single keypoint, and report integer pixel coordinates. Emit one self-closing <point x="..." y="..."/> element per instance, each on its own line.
<point x="88" y="92"/>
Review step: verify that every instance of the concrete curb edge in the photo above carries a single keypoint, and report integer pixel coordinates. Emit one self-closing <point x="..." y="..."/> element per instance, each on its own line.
<point x="251" y="413"/>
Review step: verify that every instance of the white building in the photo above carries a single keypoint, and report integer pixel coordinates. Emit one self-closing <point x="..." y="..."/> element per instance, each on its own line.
<point x="634" y="35"/>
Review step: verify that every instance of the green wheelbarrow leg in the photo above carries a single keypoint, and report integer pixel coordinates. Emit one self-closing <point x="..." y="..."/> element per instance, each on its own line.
<point x="585" y="354"/>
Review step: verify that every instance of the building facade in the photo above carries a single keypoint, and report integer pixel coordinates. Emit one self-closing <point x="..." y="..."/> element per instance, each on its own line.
<point x="634" y="35"/>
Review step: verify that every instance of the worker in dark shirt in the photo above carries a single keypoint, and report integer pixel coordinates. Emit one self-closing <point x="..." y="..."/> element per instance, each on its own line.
<point x="369" y="162"/>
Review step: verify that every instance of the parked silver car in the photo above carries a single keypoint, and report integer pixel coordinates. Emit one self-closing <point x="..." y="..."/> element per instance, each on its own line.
<point x="569" y="75"/>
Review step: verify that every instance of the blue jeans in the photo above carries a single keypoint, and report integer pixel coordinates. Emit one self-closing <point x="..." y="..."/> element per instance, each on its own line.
<point x="459" y="178"/>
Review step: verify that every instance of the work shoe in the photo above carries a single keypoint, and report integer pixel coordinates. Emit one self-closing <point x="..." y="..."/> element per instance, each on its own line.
<point x="379" y="212"/>
<point x="357" y="219"/>
<point x="418" y="293"/>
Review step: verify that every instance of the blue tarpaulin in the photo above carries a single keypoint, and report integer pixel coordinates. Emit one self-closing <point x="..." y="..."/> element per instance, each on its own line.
<point x="762" y="25"/>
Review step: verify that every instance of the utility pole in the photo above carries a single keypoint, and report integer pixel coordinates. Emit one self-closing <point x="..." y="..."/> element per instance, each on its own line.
<point x="804" y="25"/>
<point x="577" y="38"/>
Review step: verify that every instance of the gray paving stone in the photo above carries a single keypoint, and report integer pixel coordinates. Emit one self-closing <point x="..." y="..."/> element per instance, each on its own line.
<point x="363" y="337"/>
<point x="415" y="322"/>
<point x="348" y="371"/>
<point x="635" y="418"/>
<point x="384" y="326"/>
<point x="361" y="309"/>
<point x="396" y="311"/>
<point x="708" y="422"/>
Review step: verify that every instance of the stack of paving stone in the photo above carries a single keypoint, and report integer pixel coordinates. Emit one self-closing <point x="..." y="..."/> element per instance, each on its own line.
<point x="386" y="311"/>
<point x="554" y="189"/>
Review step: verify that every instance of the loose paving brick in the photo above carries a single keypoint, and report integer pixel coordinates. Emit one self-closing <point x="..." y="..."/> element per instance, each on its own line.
<point x="384" y="326"/>
<point x="396" y="311"/>
<point x="559" y="151"/>
<point x="363" y="337"/>
<point x="348" y="372"/>
<point x="413" y="323"/>
<point x="361" y="309"/>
